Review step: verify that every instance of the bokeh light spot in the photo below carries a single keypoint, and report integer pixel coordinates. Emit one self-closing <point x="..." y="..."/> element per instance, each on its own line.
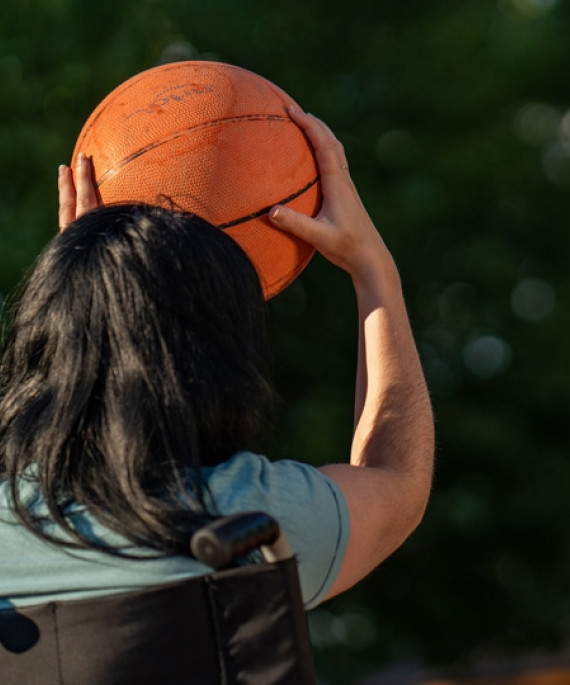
<point x="537" y="123"/>
<point x="352" y="629"/>
<point x="533" y="299"/>
<point x="556" y="162"/>
<point x="486" y="356"/>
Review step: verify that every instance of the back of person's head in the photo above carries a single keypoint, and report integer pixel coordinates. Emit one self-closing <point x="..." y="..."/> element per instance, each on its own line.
<point x="138" y="352"/>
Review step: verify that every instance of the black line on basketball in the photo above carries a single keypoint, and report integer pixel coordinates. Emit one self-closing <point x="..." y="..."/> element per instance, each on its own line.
<point x="192" y="129"/>
<point x="261" y="212"/>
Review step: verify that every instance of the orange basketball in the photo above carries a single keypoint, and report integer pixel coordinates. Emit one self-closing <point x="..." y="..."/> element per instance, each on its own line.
<point x="211" y="139"/>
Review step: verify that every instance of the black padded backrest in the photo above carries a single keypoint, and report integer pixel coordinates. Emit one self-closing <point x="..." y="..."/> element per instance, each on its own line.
<point x="244" y="626"/>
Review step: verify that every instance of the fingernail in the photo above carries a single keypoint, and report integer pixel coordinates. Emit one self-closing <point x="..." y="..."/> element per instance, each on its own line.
<point x="273" y="212"/>
<point x="61" y="169"/>
<point x="81" y="159"/>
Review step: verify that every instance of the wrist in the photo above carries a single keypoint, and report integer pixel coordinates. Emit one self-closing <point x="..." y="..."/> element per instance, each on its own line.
<point x="378" y="274"/>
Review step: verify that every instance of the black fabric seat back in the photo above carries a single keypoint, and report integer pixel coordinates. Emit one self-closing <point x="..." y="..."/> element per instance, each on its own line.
<point x="241" y="625"/>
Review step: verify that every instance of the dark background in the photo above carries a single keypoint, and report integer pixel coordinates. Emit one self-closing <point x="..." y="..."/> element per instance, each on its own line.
<point x="456" y="121"/>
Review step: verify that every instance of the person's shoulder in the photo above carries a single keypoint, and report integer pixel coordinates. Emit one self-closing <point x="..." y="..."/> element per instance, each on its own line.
<point x="253" y="467"/>
<point x="252" y="477"/>
<point x="242" y="465"/>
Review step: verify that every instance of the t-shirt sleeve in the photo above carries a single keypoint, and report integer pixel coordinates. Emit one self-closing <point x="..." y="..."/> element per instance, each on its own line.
<point x="309" y="507"/>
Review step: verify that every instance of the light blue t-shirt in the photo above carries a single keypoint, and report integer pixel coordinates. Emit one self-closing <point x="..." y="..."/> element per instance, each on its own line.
<point x="309" y="507"/>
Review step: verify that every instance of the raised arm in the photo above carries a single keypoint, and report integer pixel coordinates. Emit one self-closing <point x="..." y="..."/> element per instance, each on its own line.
<point x="387" y="483"/>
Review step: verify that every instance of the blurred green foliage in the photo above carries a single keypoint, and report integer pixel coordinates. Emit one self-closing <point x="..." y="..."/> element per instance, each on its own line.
<point x="456" y="122"/>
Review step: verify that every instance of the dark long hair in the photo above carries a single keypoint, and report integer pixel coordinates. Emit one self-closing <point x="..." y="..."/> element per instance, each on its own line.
<point x="137" y="353"/>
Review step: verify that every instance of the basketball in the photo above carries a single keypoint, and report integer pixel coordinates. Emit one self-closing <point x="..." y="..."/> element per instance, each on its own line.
<point x="215" y="140"/>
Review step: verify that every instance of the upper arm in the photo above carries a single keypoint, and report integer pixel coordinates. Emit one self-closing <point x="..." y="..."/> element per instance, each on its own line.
<point x="309" y="508"/>
<point x="384" y="507"/>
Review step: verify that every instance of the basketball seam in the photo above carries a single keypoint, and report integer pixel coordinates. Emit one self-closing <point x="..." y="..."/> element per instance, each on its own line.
<point x="261" y="212"/>
<point x="200" y="127"/>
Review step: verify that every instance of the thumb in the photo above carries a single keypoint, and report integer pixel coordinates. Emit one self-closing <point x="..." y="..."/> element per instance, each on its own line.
<point x="290" y="220"/>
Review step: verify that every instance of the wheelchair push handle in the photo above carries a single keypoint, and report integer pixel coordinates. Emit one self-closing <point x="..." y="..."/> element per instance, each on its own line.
<point x="220" y="543"/>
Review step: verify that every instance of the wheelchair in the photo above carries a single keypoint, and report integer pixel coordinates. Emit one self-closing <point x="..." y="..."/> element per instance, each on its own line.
<point x="241" y="624"/>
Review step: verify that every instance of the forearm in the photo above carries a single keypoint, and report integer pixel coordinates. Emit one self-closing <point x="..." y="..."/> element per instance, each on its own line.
<point x="393" y="418"/>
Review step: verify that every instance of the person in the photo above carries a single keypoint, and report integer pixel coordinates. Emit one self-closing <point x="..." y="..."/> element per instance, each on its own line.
<point x="136" y="382"/>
